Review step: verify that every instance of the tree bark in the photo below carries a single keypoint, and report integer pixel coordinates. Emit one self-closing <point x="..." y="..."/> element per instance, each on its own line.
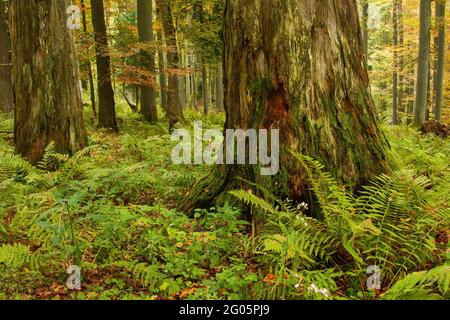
<point x="219" y="88"/>
<point x="46" y="81"/>
<point x="395" y="117"/>
<point x="420" y="106"/>
<point x="297" y="66"/>
<point x="147" y="57"/>
<point x="205" y="88"/>
<point x="6" y="94"/>
<point x="174" y="112"/>
<point x="440" y="60"/>
<point x="88" y="65"/>
<point x="162" y="75"/>
<point x="107" y="106"/>
<point x="401" y="59"/>
<point x="365" y="28"/>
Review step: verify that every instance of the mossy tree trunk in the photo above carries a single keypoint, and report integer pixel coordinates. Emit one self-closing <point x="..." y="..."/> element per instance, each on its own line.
<point x="6" y="95"/>
<point x="46" y="81"/>
<point x="298" y="66"/>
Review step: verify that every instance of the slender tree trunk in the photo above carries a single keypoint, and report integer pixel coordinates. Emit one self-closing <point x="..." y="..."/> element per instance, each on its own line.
<point x="174" y="111"/>
<point x="107" y="108"/>
<point x="420" y="106"/>
<point x="162" y="73"/>
<point x="6" y="94"/>
<point x="411" y="92"/>
<point x="205" y="88"/>
<point x="219" y="88"/>
<point x="88" y="64"/>
<point x="401" y="59"/>
<point x="46" y="81"/>
<point x="440" y="60"/>
<point x="297" y="66"/>
<point x="147" y="57"/>
<point x="182" y="82"/>
<point x="365" y="28"/>
<point x="395" y="117"/>
<point x="194" y="81"/>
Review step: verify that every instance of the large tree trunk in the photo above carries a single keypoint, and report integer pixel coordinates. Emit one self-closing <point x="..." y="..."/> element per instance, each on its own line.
<point x="46" y="81"/>
<point x="6" y="95"/>
<point x="298" y="66"/>
<point x="440" y="59"/>
<point x="420" y="106"/>
<point x="174" y="112"/>
<point x="145" y="28"/>
<point x="107" y="106"/>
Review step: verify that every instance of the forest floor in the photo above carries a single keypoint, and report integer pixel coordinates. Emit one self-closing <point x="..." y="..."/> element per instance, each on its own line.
<point x="112" y="210"/>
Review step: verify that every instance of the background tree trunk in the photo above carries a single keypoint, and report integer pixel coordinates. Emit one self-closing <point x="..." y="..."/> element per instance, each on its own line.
<point x="205" y="88"/>
<point x="365" y="28"/>
<point x="440" y="60"/>
<point x="46" y="81"/>
<point x="395" y="117"/>
<point x="219" y="88"/>
<point x="147" y="56"/>
<point x="6" y="94"/>
<point x="107" y="106"/>
<point x="420" y="106"/>
<point x="162" y="75"/>
<point x="401" y="60"/>
<point x="298" y="66"/>
<point x="174" y="111"/>
<point x="88" y="65"/>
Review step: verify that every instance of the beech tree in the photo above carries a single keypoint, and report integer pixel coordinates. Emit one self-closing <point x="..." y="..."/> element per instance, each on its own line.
<point x="298" y="66"/>
<point x="46" y="82"/>
<point x="145" y="29"/>
<point x="423" y="67"/>
<point x="106" y="101"/>
<point x="440" y="59"/>
<point x="174" y="112"/>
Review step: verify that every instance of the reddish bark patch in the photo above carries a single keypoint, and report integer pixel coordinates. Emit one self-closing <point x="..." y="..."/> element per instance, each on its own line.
<point x="277" y="107"/>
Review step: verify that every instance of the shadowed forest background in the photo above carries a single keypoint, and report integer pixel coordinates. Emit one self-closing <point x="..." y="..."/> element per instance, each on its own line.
<point x="91" y="91"/>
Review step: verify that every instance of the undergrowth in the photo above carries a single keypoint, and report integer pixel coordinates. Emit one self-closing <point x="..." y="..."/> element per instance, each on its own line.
<point x="111" y="209"/>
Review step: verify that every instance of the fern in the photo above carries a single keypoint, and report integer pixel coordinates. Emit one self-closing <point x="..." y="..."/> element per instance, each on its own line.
<point x="251" y="199"/>
<point x="425" y="285"/>
<point x="17" y="256"/>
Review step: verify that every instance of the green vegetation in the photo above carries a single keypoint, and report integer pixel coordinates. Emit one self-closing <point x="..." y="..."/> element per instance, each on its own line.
<point x="112" y="210"/>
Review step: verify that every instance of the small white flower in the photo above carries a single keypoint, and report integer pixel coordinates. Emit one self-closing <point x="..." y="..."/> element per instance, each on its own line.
<point x="297" y="286"/>
<point x="313" y="288"/>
